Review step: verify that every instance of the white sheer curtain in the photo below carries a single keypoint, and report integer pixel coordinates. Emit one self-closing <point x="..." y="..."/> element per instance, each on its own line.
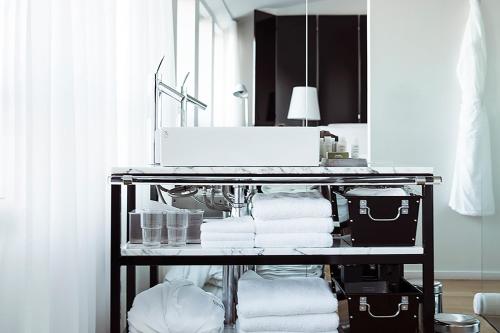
<point x="76" y="97"/>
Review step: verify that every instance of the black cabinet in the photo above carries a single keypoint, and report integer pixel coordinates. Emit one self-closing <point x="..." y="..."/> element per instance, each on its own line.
<point x="336" y="66"/>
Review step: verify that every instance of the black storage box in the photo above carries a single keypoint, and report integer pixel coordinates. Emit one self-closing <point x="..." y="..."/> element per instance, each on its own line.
<point x="383" y="307"/>
<point x="383" y="221"/>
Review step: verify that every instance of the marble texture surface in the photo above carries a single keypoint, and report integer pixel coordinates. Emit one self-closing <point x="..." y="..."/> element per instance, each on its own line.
<point x="151" y="169"/>
<point x="197" y="250"/>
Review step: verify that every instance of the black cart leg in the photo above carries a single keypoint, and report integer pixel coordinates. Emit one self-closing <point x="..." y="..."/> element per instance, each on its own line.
<point x="131" y="290"/>
<point x="130" y="205"/>
<point x="428" y="265"/>
<point x="153" y="276"/>
<point x="115" y="259"/>
<point x="130" y="286"/>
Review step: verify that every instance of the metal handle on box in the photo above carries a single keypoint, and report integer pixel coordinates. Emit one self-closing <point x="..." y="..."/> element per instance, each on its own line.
<point x="365" y="210"/>
<point x="365" y="306"/>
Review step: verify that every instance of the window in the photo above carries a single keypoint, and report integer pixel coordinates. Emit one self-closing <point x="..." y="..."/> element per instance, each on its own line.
<point x="201" y="50"/>
<point x="186" y="50"/>
<point x="205" y="65"/>
<point x="218" y="81"/>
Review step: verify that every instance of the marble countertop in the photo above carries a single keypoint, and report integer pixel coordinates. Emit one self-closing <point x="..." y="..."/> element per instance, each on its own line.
<point x="151" y="169"/>
<point x="197" y="250"/>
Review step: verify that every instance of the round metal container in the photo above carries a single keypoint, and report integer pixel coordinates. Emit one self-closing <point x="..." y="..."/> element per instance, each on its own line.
<point x="456" y="323"/>
<point x="438" y="293"/>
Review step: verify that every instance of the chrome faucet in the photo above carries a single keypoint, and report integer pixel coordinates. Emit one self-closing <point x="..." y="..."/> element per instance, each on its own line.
<point x="180" y="96"/>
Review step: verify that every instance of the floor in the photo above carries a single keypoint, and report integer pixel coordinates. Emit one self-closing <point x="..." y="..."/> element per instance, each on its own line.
<point x="458" y="295"/>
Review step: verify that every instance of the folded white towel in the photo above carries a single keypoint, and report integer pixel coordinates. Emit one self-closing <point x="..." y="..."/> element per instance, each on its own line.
<point x="274" y="206"/>
<point x="228" y="244"/>
<point x="487" y="304"/>
<point x="227" y="236"/>
<point x="295" y="225"/>
<point x="287" y="271"/>
<point x="258" y="297"/>
<point x="243" y="224"/>
<point x="324" y="322"/>
<point x="294" y="240"/>
<point x="240" y="330"/>
<point x="377" y="192"/>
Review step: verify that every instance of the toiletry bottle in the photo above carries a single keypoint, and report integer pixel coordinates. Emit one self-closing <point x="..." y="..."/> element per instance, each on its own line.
<point x="335" y="143"/>
<point x="342" y="145"/>
<point x="322" y="148"/>
<point x="355" y="149"/>
<point x="328" y="145"/>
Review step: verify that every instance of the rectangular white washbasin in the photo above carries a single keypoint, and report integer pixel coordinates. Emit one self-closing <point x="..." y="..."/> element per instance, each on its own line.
<point x="238" y="146"/>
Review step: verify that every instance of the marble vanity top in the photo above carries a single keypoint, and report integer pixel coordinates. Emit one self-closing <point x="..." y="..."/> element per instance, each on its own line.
<point x="151" y="169"/>
<point x="197" y="250"/>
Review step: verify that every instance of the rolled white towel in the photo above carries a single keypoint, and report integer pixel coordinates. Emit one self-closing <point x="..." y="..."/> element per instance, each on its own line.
<point x="487" y="304"/>
<point x="382" y="192"/>
<point x="227" y="236"/>
<point x="243" y="224"/>
<point x="295" y="225"/>
<point x="306" y="240"/>
<point x="275" y="206"/>
<point x="258" y="297"/>
<point x="176" y="307"/>
<point x="325" y="322"/>
<point x="228" y="244"/>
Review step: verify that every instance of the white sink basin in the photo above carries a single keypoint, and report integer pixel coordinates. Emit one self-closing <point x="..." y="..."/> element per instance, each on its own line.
<point x="238" y="146"/>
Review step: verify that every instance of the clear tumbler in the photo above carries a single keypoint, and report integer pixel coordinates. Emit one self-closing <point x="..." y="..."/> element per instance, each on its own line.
<point x="177" y="223"/>
<point x="151" y="224"/>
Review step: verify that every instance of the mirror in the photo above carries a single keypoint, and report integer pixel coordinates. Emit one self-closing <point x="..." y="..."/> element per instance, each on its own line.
<point x="248" y="62"/>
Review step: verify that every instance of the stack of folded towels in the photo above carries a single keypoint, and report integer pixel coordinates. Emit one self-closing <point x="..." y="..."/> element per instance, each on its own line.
<point x="285" y="305"/>
<point x="237" y="232"/>
<point x="300" y="219"/>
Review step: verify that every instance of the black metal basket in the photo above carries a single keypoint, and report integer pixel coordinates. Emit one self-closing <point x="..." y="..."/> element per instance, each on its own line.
<point x="378" y="307"/>
<point x="383" y="221"/>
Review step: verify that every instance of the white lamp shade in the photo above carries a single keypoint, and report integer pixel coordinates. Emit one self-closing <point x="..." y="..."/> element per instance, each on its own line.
<point x="304" y="104"/>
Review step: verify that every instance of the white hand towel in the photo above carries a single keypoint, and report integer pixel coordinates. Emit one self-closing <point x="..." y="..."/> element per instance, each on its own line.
<point x="275" y="206"/>
<point x="243" y="224"/>
<point x="487" y="304"/>
<point x="228" y="244"/>
<point x="325" y="322"/>
<point x="377" y="192"/>
<point x="258" y="297"/>
<point x="227" y="236"/>
<point x="295" y="225"/>
<point x="307" y="240"/>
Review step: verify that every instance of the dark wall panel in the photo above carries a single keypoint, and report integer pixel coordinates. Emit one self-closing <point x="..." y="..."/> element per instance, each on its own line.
<point x="291" y="61"/>
<point x="265" y="69"/>
<point x="364" y="69"/>
<point x="338" y="61"/>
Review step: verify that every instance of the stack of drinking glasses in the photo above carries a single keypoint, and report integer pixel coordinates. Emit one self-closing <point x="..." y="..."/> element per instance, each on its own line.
<point x="177" y="223"/>
<point x="175" y="227"/>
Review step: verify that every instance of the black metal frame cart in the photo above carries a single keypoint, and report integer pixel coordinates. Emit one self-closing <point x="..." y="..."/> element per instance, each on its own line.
<point x="130" y="256"/>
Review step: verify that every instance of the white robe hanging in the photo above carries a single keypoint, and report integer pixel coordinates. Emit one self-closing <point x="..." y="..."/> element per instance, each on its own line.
<point x="472" y="188"/>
